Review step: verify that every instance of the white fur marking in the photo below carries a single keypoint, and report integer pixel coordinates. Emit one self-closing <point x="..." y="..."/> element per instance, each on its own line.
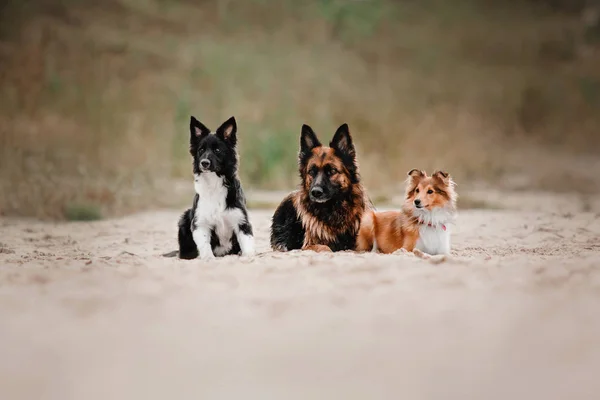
<point x="202" y="239"/>
<point x="434" y="239"/>
<point x="246" y="244"/>
<point x="211" y="213"/>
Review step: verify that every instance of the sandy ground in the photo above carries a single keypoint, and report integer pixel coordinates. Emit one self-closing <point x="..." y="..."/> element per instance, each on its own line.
<point x="92" y="311"/>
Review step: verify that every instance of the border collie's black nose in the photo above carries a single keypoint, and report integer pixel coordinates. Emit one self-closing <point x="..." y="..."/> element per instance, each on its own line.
<point x="417" y="202"/>
<point x="317" y="192"/>
<point x="205" y="163"/>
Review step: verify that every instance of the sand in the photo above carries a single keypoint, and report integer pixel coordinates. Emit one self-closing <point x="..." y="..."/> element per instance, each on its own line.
<point x="92" y="311"/>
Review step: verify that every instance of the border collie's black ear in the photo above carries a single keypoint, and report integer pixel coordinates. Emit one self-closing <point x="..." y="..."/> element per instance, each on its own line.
<point x="308" y="141"/>
<point x="342" y="141"/>
<point x="228" y="131"/>
<point x="197" y="131"/>
<point x="197" y="128"/>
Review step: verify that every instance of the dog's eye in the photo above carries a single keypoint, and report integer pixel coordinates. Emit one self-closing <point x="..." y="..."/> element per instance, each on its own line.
<point x="332" y="171"/>
<point x="201" y="150"/>
<point x="416" y="190"/>
<point x="217" y="150"/>
<point x="429" y="191"/>
<point x="312" y="172"/>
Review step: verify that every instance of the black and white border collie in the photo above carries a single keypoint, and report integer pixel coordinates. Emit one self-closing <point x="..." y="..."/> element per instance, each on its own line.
<point x="217" y="224"/>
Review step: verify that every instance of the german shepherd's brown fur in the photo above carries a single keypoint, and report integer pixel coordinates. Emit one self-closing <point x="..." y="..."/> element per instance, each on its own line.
<point x="324" y="214"/>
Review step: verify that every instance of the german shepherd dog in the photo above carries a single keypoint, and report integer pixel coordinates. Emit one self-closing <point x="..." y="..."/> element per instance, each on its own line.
<point x="217" y="224"/>
<point x="324" y="214"/>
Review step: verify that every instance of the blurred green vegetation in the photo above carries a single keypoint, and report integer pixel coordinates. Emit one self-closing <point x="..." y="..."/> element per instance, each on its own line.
<point x="83" y="212"/>
<point x="95" y="98"/>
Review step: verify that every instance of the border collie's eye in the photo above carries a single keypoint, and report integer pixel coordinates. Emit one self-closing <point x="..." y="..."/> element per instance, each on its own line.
<point x="201" y="150"/>
<point x="217" y="150"/>
<point x="429" y="191"/>
<point x="416" y="190"/>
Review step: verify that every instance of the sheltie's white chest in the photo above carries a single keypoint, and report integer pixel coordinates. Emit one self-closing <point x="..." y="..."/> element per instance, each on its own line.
<point x="434" y="239"/>
<point x="434" y="232"/>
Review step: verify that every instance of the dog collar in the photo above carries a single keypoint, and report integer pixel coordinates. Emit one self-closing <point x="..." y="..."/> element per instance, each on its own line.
<point x="430" y="225"/>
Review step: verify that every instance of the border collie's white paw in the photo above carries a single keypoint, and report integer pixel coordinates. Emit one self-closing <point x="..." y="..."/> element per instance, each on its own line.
<point x="206" y="255"/>
<point x="249" y="252"/>
<point x="246" y="244"/>
<point x="218" y="210"/>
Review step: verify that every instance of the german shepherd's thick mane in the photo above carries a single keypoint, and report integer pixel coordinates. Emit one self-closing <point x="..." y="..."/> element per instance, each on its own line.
<point x="326" y="210"/>
<point x="325" y="222"/>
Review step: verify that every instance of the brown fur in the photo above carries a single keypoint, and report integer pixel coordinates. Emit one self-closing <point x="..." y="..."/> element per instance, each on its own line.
<point x="321" y="158"/>
<point x="394" y="230"/>
<point x="319" y="233"/>
<point x="324" y="214"/>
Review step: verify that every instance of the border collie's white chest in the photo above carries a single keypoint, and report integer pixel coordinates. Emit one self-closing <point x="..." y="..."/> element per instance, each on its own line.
<point x="212" y="201"/>
<point x="212" y="214"/>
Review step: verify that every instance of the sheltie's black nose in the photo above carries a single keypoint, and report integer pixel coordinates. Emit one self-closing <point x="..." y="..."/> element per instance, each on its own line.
<point x="317" y="192"/>
<point x="205" y="163"/>
<point x="417" y="202"/>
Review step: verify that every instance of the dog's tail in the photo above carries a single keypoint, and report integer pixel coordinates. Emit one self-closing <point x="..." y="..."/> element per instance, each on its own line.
<point x="174" y="253"/>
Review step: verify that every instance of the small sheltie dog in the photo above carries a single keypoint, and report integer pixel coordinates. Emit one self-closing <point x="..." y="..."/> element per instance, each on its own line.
<point x="217" y="224"/>
<point x="423" y="223"/>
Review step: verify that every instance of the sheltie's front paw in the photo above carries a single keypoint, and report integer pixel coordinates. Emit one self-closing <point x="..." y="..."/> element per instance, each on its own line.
<point x="420" y="254"/>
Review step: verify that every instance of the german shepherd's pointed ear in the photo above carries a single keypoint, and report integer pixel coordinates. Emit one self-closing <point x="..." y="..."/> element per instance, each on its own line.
<point x="228" y="131"/>
<point x="308" y="141"/>
<point x="197" y="132"/>
<point x="342" y="142"/>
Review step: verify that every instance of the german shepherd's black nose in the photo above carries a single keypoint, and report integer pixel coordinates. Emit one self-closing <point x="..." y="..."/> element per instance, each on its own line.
<point x="317" y="192"/>
<point x="205" y="163"/>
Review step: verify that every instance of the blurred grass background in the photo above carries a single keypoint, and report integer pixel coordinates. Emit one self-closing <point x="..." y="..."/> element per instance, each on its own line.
<point x="95" y="97"/>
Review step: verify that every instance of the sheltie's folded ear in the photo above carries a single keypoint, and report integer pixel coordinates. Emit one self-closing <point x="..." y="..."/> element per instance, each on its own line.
<point x="414" y="177"/>
<point x="443" y="176"/>
<point x="416" y="173"/>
